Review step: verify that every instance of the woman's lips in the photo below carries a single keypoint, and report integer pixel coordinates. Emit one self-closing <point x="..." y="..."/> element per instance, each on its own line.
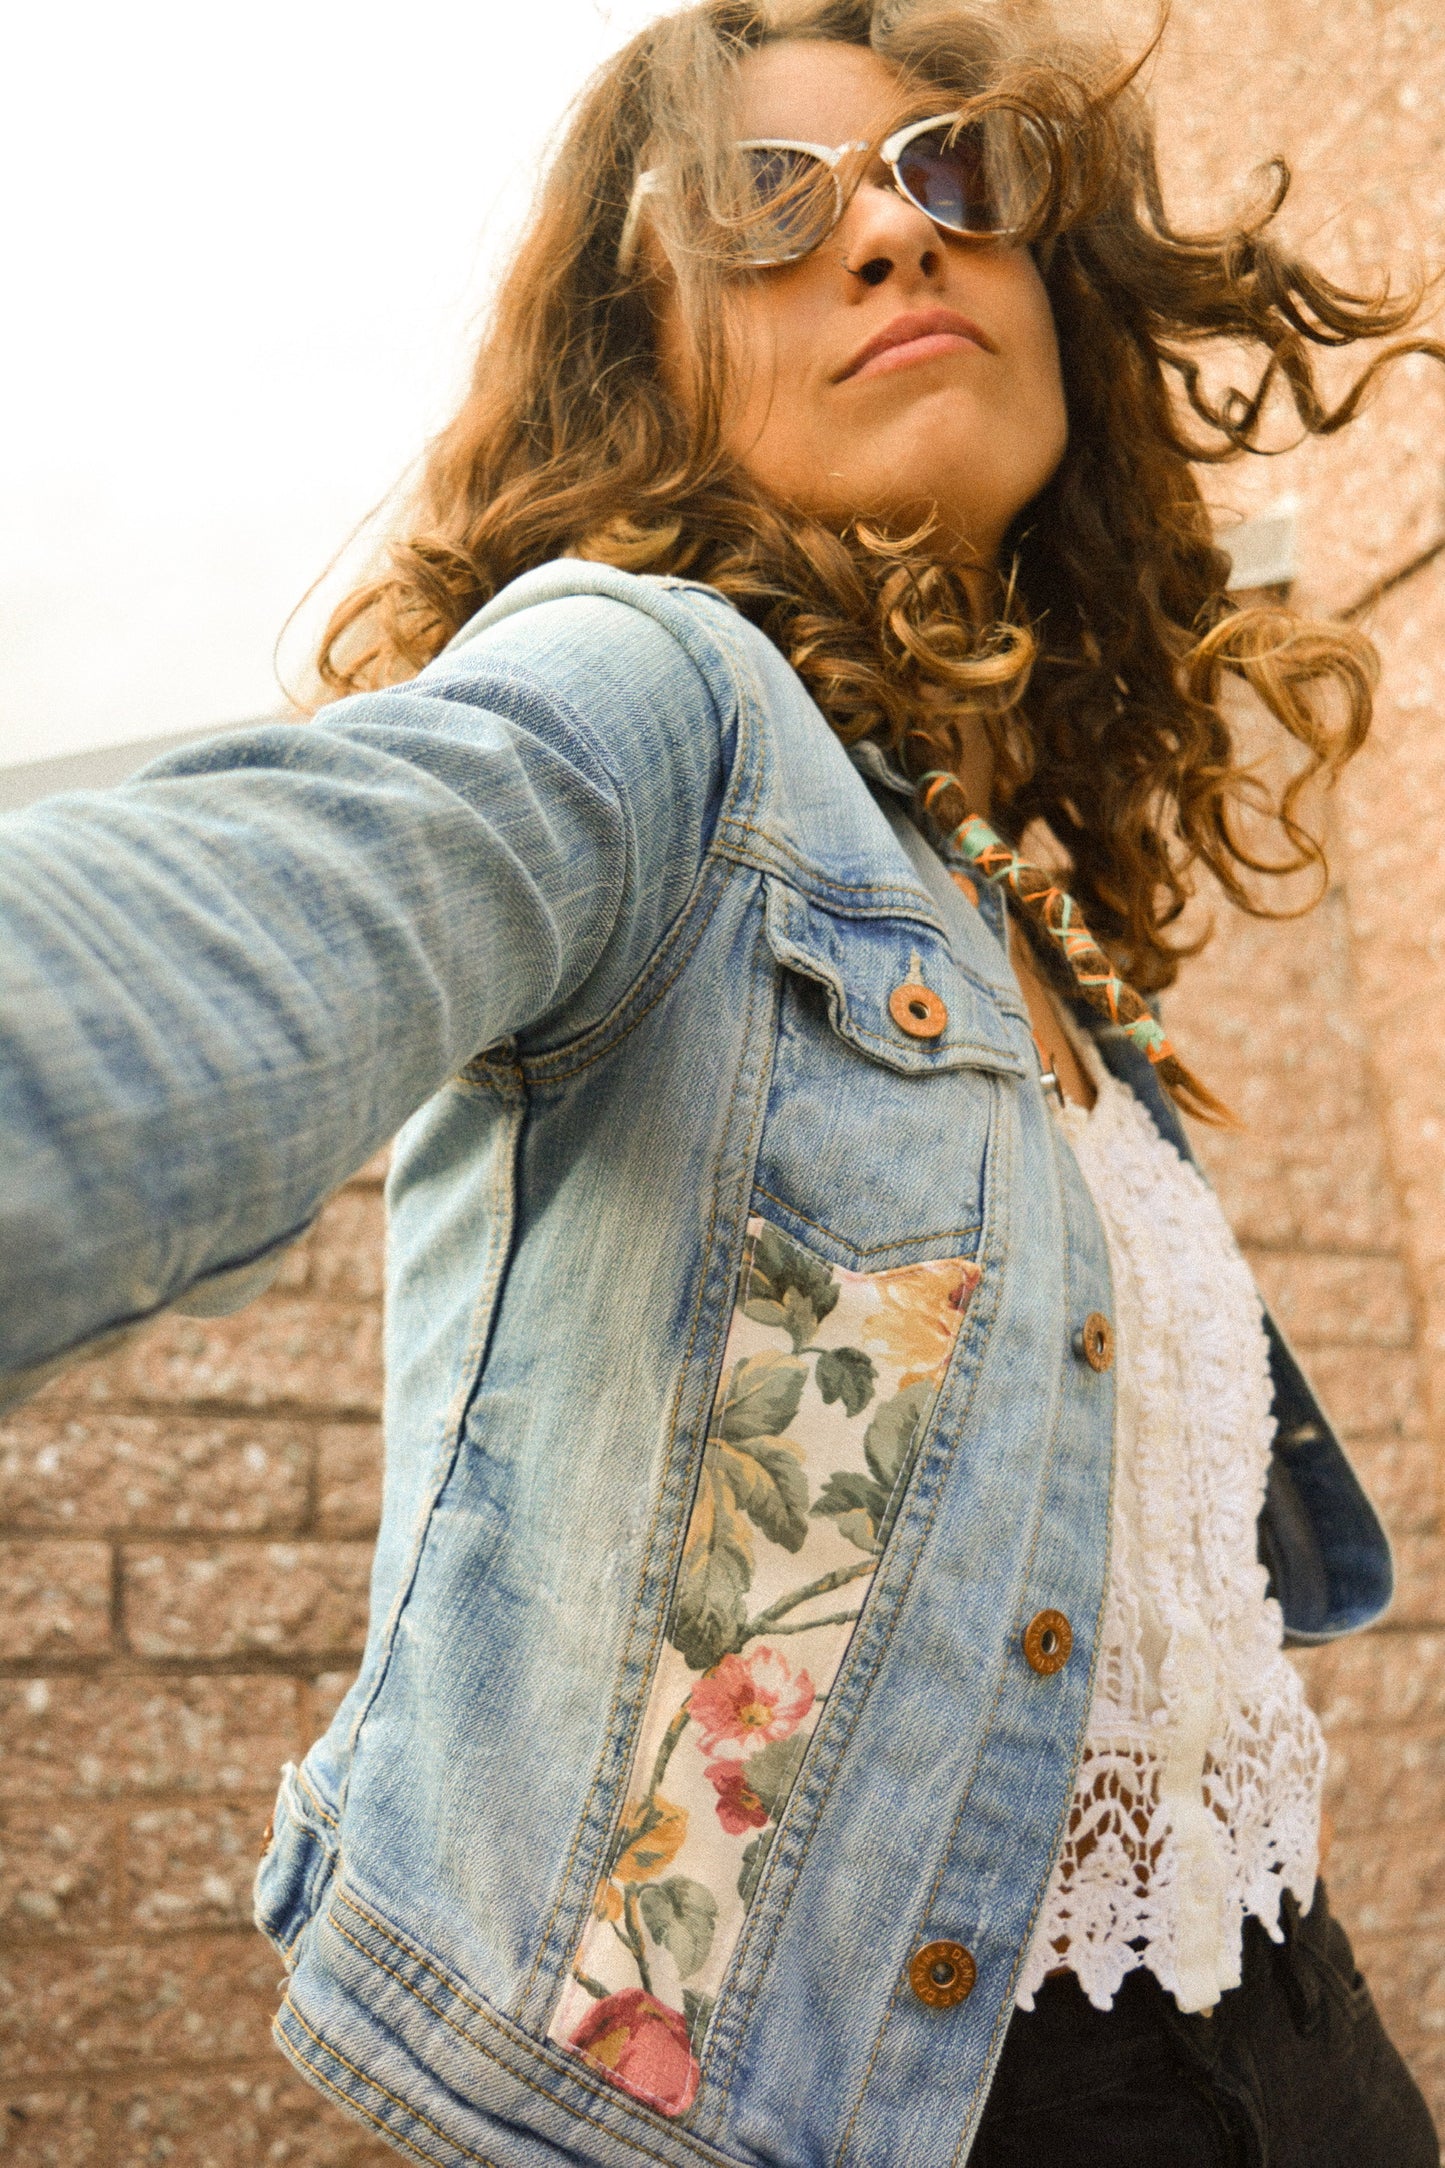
<point x="920" y="336"/>
<point x="911" y="350"/>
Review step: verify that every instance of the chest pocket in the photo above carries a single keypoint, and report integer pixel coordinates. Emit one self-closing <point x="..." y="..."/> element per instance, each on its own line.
<point x="889" y="1060"/>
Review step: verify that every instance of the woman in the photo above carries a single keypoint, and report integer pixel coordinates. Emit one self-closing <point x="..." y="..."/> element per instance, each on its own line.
<point x="823" y="1698"/>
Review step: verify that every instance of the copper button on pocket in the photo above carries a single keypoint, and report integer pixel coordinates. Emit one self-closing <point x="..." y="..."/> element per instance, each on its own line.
<point x="1048" y="1642"/>
<point x="918" y="1010"/>
<point x="1095" y="1341"/>
<point x="941" y="1974"/>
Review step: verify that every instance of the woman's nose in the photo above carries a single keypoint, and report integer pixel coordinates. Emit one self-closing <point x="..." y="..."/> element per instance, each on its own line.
<point x="883" y="236"/>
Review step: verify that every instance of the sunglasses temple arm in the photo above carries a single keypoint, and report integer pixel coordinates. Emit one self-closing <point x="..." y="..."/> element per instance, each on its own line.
<point x="644" y="186"/>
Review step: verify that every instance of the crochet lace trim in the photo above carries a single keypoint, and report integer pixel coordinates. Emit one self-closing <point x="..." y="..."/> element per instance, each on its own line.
<point x="1198" y="1796"/>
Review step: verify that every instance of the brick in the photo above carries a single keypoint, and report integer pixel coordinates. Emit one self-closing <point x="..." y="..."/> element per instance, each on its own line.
<point x="1419" y="1580"/>
<point x="219" y="1600"/>
<point x="1406" y="1973"/>
<point x="1339" y="1301"/>
<point x="374" y="1173"/>
<point x="237" y="2119"/>
<point x="1370" y="1392"/>
<point x="348" y="1479"/>
<point x="1381" y="1680"/>
<point x="56" y="2129"/>
<point x="54" y="1599"/>
<point x="195" y="1998"/>
<point x="1400" y="1476"/>
<point x="189" y="1866"/>
<point x="346" y="1248"/>
<point x="102" y="1738"/>
<point x="66" y="1469"/>
<point x="278" y="1352"/>
<point x="1396" y="1777"/>
<point x="55" y="1870"/>
<point x="327" y="1694"/>
<point x="1389" y="1881"/>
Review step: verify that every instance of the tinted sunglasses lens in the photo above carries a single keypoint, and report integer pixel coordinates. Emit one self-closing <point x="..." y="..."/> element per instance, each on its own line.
<point x="946" y="172"/>
<point x="792" y="203"/>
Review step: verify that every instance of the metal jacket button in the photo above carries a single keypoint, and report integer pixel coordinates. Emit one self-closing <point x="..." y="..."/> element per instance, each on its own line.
<point x="941" y="1974"/>
<point x="917" y="1009"/>
<point x="1094" y="1340"/>
<point x="1048" y="1642"/>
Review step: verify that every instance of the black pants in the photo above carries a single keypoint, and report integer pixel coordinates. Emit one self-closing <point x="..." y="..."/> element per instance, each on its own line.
<point x="1292" y="2069"/>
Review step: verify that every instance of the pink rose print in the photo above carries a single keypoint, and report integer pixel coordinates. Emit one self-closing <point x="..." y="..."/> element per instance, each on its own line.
<point x="738" y="1805"/>
<point x="641" y="2045"/>
<point x="741" y="1705"/>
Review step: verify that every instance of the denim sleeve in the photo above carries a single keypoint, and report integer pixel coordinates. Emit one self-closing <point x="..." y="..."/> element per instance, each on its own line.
<point x="224" y="984"/>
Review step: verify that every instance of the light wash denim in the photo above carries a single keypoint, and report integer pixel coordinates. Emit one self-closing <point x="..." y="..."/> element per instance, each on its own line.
<point x="602" y="913"/>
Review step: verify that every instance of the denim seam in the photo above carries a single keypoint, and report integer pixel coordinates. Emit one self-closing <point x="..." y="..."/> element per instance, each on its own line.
<point x="482" y="1319"/>
<point x="569" y="2068"/>
<point x="552" y="1067"/>
<point x="304" y="1785"/>
<point x="289" y="2047"/>
<point x="750" y="1932"/>
<point x="744" y="787"/>
<point x="876" y="1249"/>
<point x="1002" y="1679"/>
<point x="628" y="1744"/>
<point x="905" y="896"/>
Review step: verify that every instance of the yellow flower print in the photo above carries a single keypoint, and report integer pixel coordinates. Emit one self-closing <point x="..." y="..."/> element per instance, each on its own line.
<point x="918" y="1316"/>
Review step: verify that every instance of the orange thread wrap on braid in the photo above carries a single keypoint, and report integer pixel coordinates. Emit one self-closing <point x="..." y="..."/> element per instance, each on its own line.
<point x="1053" y="910"/>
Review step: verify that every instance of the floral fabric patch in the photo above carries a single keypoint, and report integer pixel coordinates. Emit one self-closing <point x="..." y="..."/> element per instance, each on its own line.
<point x="827" y="1379"/>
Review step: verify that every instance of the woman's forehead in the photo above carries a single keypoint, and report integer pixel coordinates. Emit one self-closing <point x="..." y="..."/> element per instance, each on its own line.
<point x="814" y="90"/>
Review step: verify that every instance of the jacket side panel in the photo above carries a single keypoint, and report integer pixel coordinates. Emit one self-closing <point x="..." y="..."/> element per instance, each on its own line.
<point x="482" y="1776"/>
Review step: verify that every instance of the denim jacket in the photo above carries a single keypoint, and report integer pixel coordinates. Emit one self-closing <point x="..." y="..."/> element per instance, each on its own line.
<point x="746" y="1406"/>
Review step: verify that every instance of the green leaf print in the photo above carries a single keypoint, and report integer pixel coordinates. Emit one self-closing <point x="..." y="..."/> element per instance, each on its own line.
<point x="857" y="1504"/>
<point x="769" y="1483"/>
<point x="708" y="1613"/>
<point x="771" y="1772"/>
<point x="846" y="1374"/>
<point x="888" y="1441"/>
<point x="697" y="2010"/>
<point x="788" y="1288"/>
<point x="762" y="1397"/>
<point x="681" y="1915"/>
<point x="754" y="1860"/>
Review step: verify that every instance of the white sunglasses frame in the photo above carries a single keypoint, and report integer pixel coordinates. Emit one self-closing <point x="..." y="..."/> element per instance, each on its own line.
<point x="890" y="150"/>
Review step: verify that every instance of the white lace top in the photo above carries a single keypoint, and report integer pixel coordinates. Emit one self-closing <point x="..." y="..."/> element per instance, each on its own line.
<point x="1198" y="1796"/>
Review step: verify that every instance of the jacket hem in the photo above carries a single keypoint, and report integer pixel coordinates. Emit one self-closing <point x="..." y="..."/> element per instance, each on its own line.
<point x="421" y="2060"/>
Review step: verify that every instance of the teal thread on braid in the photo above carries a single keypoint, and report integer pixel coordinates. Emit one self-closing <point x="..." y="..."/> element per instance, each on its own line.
<point x="1146" y="1033"/>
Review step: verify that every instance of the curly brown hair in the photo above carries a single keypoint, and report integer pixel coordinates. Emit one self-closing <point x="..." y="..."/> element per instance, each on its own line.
<point x="1101" y="673"/>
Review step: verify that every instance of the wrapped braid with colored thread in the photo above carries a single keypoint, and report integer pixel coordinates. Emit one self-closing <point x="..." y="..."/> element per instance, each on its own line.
<point x="1060" y="925"/>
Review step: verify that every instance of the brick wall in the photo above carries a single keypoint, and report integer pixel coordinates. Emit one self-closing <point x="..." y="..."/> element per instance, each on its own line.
<point x="1325" y="1033"/>
<point x="184" y="1530"/>
<point x="185" y="1537"/>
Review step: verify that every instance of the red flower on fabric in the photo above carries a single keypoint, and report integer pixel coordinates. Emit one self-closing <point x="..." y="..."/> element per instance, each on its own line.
<point x="738" y="1805"/>
<point x="741" y="1705"/>
<point x="642" y="2046"/>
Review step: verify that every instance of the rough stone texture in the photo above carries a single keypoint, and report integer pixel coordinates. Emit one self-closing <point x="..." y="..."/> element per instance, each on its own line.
<point x="277" y="1599"/>
<point x="54" y="1600"/>
<point x="88" y="1474"/>
<point x="185" y="1523"/>
<point x="184" y="1548"/>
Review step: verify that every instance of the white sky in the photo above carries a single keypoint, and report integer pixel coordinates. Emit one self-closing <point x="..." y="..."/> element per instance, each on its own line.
<point x="243" y="256"/>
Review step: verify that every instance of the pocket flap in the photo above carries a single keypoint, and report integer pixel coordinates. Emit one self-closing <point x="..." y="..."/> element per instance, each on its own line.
<point x="863" y="962"/>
